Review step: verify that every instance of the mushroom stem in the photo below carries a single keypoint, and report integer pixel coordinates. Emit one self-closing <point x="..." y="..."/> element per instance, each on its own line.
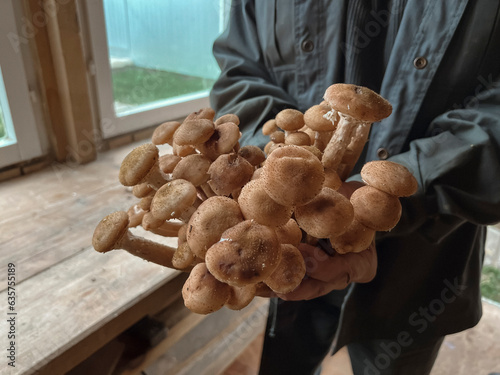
<point x="155" y="177"/>
<point x="341" y="138"/>
<point x="354" y="150"/>
<point x="146" y="249"/>
<point x="135" y="215"/>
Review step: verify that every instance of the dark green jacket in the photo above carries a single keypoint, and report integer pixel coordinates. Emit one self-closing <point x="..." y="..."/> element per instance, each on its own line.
<point x="445" y="127"/>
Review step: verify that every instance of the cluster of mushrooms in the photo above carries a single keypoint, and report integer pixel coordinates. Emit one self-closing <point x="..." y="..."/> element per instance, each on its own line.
<point x="239" y="213"/>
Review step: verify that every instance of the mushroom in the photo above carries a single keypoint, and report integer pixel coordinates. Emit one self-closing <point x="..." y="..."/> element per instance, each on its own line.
<point x="112" y="233"/>
<point x="290" y="233"/>
<point x="228" y="173"/>
<point x="252" y="154"/>
<point x="222" y="141"/>
<point x="142" y="190"/>
<point x="183" y="150"/>
<point x="206" y="113"/>
<point x="277" y="137"/>
<point x="168" y="162"/>
<point x="375" y="208"/>
<point x="135" y="215"/>
<point x="167" y="229"/>
<point x="355" y="239"/>
<point x="202" y="293"/>
<point x="193" y="168"/>
<point x="209" y="221"/>
<point x="246" y="254"/>
<point x="298" y="138"/>
<point x="194" y="132"/>
<point x="323" y="128"/>
<point x="289" y="120"/>
<point x="256" y="204"/>
<point x="183" y="257"/>
<point x="241" y="297"/>
<point x="269" y="127"/>
<point x="141" y="165"/>
<point x="328" y="214"/>
<point x="230" y="117"/>
<point x="357" y="106"/>
<point x="293" y="176"/>
<point x="290" y="271"/>
<point x="164" y="133"/>
<point x="174" y="200"/>
<point x="393" y="178"/>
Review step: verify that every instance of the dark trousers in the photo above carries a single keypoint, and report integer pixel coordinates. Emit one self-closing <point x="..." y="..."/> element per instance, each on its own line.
<point x="299" y="335"/>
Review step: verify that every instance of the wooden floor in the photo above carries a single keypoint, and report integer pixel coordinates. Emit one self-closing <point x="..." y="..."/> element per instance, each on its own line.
<point x="473" y="352"/>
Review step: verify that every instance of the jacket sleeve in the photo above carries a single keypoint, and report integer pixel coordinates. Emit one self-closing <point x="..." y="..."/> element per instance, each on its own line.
<point x="245" y="86"/>
<point x="458" y="170"/>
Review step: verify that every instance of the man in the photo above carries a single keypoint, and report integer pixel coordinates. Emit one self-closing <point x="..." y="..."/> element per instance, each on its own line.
<point x="438" y="63"/>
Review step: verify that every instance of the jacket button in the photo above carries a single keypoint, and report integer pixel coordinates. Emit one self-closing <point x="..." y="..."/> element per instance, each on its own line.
<point x="382" y="153"/>
<point x="420" y="62"/>
<point x="307" y="45"/>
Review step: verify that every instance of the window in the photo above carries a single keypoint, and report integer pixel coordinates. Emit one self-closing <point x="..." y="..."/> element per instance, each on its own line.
<point x="19" y="135"/>
<point x="153" y="60"/>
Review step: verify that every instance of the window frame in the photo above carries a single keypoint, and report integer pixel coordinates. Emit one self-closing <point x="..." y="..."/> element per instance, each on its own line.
<point x="19" y="114"/>
<point x="111" y="124"/>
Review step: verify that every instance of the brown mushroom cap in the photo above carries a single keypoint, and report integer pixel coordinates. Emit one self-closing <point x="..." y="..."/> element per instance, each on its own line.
<point x="222" y="141"/>
<point x="137" y="164"/>
<point x="109" y="231"/>
<point x="193" y="168"/>
<point x="172" y="199"/>
<point x="298" y="138"/>
<point x="194" y="132"/>
<point x="168" y="162"/>
<point x="269" y="127"/>
<point x="293" y="176"/>
<point x="332" y="180"/>
<point x="164" y="133"/>
<point x="228" y="173"/>
<point x="393" y="178"/>
<point x="290" y="119"/>
<point x="230" y="117"/>
<point x="357" y="101"/>
<point x="289" y="233"/>
<point x="375" y="208"/>
<point x="202" y="293"/>
<point x="209" y="221"/>
<point x="241" y="296"/>
<point x="141" y="190"/>
<point x="256" y="204"/>
<point x="183" y="257"/>
<point x="252" y="154"/>
<point x="356" y="238"/>
<point x="328" y="214"/>
<point x="277" y="137"/>
<point x="184" y="150"/>
<point x="315" y="120"/>
<point x="290" y="271"/>
<point x="203" y="113"/>
<point x="246" y="254"/>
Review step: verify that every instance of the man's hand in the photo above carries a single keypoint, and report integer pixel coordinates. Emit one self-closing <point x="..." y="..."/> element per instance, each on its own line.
<point x="325" y="273"/>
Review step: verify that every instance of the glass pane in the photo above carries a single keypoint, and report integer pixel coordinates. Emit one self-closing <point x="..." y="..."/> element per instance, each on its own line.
<point x="161" y="51"/>
<point x="7" y="135"/>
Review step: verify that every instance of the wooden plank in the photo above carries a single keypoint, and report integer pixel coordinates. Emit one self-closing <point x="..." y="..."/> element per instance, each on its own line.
<point x="214" y="343"/>
<point x="68" y="312"/>
<point x="71" y="75"/>
<point x="44" y="65"/>
<point x="46" y="219"/>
